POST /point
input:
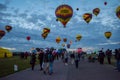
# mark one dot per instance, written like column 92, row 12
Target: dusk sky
column 29, row 17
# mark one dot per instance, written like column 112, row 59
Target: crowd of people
column 47, row 56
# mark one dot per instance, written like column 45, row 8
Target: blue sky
column 29, row 17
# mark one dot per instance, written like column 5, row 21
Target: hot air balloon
column 108, row 34
column 2, row 33
column 44, row 35
column 77, row 9
column 105, row 3
column 70, row 42
column 28, row 38
column 64, row 13
column 8, row 28
column 65, row 39
column 63, row 45
column 46, row 30
column 58, row 39
column 68, row 45
column 87, row 17
column 78, row 37
column 96, row 11
column 118, row 12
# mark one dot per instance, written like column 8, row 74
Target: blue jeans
column 50, row 67
column 118, row 65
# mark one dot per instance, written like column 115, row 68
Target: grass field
column 7, row 65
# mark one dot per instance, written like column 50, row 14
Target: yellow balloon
column 108, row 34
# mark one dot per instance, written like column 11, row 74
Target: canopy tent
column 5, row 53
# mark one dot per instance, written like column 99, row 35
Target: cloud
column 3, row 7
column 11, row 49
column 109, row 43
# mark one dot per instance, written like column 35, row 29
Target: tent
column 5, row 53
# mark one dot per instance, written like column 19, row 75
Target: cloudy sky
column 29, row 17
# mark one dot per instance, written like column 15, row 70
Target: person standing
column 109, row 55
column 46, row 62
column 117, row 57
column 76, row 60
column 32, row 61
column 66, row 57
column 50, row 59
column 101, row 57
column 40, row 58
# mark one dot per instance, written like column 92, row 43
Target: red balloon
column 28, row 38
column 2, row 33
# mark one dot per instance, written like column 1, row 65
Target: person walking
column 76, row 60
column 50, row 59
column 32, row 61
column 46, row 62
column 40, row 58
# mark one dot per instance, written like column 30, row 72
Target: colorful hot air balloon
column 58, row 39
column 105, row 3
column 65, row 39
column 108, row 34
column 2, row 33
column 87, row 17
column 46, row 30
column 96, row 11
column 64, row 13
column 8, row 28
column 44, row 35
column 78, row 37
column 28, row 38
column 118, row 12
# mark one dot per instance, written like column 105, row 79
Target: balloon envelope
column 44, row 35
column 65, row 39
column 8, row 28
column 28, row 38
column 58, row 39
column 118, row 12
column 87, row 17
column 78, row 37
column 46, row 30
column 108, row 34
column 96, row 11
column 105, row 3
column 64, row 13
column 2, row 33
column 68, row 45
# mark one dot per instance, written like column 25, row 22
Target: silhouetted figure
column 40, row 58
column 5, row 55
column 33, row 60
column 109, row 55
column 76, row 59
column 101, row 57
column 117, row 57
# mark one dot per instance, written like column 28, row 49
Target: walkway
column 86, row 71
